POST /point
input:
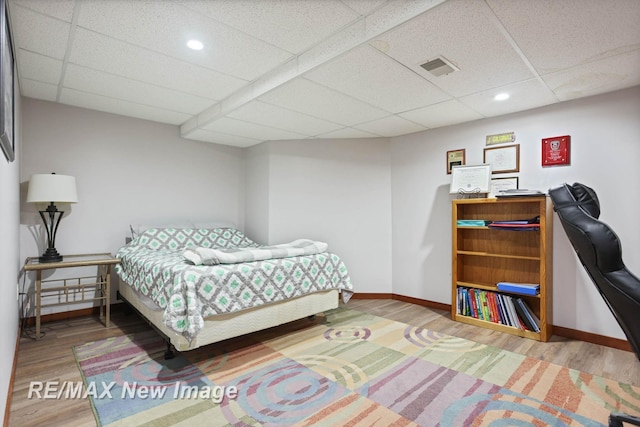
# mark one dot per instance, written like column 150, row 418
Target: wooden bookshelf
column 484, row 256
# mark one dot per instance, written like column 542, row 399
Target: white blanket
column 209, row 256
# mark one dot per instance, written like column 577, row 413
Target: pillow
column 173, row 239
column 138, row 229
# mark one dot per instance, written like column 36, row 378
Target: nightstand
column 75, row 289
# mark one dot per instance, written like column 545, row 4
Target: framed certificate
column 504, row 159
column 470, row 179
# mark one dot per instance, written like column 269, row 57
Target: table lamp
column 52, row 189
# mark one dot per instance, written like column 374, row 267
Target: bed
column 248, row 287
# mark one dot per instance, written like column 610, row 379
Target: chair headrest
column 578, row 195
column 586, row 198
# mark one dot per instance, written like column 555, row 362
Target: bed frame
column 223, row 326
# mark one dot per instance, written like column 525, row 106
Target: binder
column 522, row 313
column 519, row 288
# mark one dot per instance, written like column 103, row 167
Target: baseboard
column 412, row 300
column 589, row 337
column 560, row 331
column 422, row 302
column 365, row 295
column 7, row 408
column 72, row 314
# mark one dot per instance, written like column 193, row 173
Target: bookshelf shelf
column 484, row 256
column 532, row 258
column 495, row 326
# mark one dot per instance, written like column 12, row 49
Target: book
column 472, row 223
column 505, row 311
column 526, row 315
column 534, row 220
column 486, row 314
column 522, row 315
column 520, row 227
column 517, row 322
column 503, row 318
column 532, row 316
column 493, row 303
column 474, row 303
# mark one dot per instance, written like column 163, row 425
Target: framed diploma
column 455, row 158
column 556, row 151
column 501, row 184
column 503, row 159
column 470, row 179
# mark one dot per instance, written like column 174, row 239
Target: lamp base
column 50, row 255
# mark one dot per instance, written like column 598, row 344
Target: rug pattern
column 348, row 368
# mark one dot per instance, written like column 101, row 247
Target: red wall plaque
column 556, row 151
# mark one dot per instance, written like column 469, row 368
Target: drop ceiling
column 317, row 69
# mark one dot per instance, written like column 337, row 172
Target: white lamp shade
column 45, row 188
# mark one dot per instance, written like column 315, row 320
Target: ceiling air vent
column 439, row 66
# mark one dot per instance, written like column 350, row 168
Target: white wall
column 337, row 191
column 128, row 171
column 10, row 261
column 257, row 192
column 605, row 150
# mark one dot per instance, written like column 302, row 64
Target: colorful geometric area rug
column 346, row 368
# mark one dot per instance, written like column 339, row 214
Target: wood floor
column 51, row 358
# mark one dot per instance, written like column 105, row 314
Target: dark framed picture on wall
column 7, row 137
column 455, row 158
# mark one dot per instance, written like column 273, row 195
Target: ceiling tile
column 291, row 25
column 38, row 67
column 560, row 34
column 523, row 96
column 443, row 114
column 250, row 130
column 462, row 33
column 109, row 85
column 318, row 101
column 60, row 9
column 221, row 138
column 366, row 74
column 391, row 126
column 281, row 118
column 39, row 33
column 394, row 13
column 38, row 90
column 364, row 7
column 167, row 29
column 117, row 106
column 349, row 132
column 596, row 77
column 99, row 52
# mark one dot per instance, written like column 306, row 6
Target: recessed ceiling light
column 501, row 96
column 195, row 44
